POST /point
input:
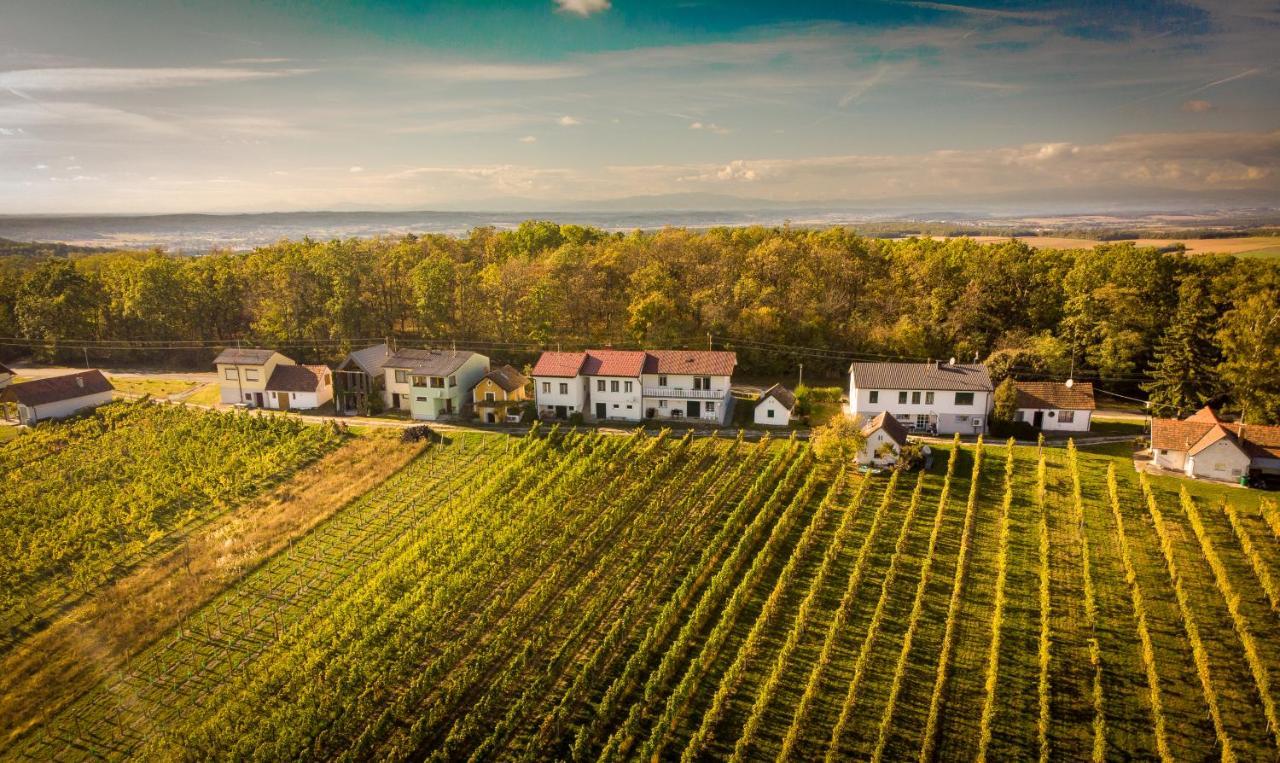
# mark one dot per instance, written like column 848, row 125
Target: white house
column 298, row 387
column 1205, row 446
column 688, row 384
column 629, row 385
column 885, row 438
column 431, row 383
column 243, row 374
column 775, row 406
column 1055, row 406
column 57, row 397
column 939, row 398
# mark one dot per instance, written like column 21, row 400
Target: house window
column 902, row 397
column 928, row 398
column 251, row 374
column 564, row 388
column 710, row 407
column 615, row 405
column 613, row 386
column 768, row 414
column 248, row 396
column 915, row 397
column 873, row 396
column 626, row 386
column 1066, row 417
column 490, row 397
column 599, row 385
column 1017, row 415
column 232, row 375
column 662, row 403
column 437, row 382
column 662, row 381
column 628, row 407
column 402, row 376
column 546, row 387
column 421, row 399
column 964, row 398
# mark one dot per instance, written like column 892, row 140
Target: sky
column 281, row 105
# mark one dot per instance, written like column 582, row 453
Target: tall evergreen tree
column 1183, row 368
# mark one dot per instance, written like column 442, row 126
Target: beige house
column 243, row 375
column 1203, row 445
column 885, row 438
column 499, row 395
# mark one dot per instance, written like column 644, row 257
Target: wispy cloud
column 582, row 8
column 993, row 13
column 1197, row 106
column 709, row 127
column 71, row 115
column 83, row 79
column 568, row 121
column 500, row 72
column 527, row 139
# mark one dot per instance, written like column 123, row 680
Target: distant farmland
column 603, row 597
column 1244, row 246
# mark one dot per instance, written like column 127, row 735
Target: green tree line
column 1186, row 330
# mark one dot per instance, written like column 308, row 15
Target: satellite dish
column 952, row 362
column 1071, row 383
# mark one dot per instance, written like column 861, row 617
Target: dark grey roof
column 962, row 377
column 249, row 356
column 781, row 394
column 429, row 362
column 58, row 388
column 370, row 359
column 889, row 424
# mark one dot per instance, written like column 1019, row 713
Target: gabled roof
column 613, row 363
column 6, row 370
column 506, row 377
column 1040, row 394
column 889, row 424
column 246, row 356
column 559, row 364
column 58, row 388
column 1199, row 431
column 296, row 378
column 940, row 376
column 369, row 359
column 429, row 362
column 697, row 362
column 781, row 394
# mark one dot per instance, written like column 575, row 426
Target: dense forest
column 1183, row 330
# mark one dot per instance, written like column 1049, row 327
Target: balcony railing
column 686, row 394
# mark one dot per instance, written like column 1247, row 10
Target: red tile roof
column 613, row 363
column 1193, row 435
column 55, row 389
column 296, row 378
column 1204, row 414
column 559, row 364
column 698, row 362
column 1077, row 397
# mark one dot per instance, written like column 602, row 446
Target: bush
column 576, row 419
column 1017, row 429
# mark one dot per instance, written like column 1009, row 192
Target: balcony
column 684, row 394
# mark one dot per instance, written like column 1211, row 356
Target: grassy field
column 1243, row 246
column 587, row 596
column 154, row 387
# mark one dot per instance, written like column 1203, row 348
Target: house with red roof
column 1055, row 406
column 632, row 385
column 1203, row 445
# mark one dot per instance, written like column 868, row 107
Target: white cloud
column 70, row 115
column 493, row 72
column 42, row 166
column 568, row 121
column 11, row 131
column 709, row 127
column 583, row 8
column 528, row 139
column 68, row 79
column 1197, row 106
column 356, row 169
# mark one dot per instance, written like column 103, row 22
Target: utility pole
column 86, row 356
column 801, row 382
column 708, row 341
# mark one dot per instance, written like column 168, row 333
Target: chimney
column 79, row 381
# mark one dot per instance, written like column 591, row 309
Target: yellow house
column 243, row 374
column 499, row 395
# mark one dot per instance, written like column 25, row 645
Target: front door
column 490, row 418
column 693, row 409
column 562, row 412
column 282, row 400
column 602, row 411
column 395, row 400
column 257, row 399
column 1038, row 419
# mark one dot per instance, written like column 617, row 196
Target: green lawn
column 154, row 387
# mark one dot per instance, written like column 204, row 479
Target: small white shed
column 885, row 438
column 58, row 397
column 775, row 407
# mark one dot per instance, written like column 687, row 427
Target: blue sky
column 143, row 107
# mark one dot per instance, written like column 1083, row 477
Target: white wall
column 1220, row 461
column 390, row 386
column 781, row 416
column 1175, row 460
column 1053, row 423
column 943, row 408
column 621, row 404
column 548, row 400
column 877, row 439
column 62, row 408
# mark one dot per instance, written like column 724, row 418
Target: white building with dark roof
column 775, row 407
column 935, row 398
column 243, row 374
column 57, row 397
column 1055, row 406
column 298, row 387
column 432, row 384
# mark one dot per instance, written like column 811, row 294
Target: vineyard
column 86, row 499
column 584, row 596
